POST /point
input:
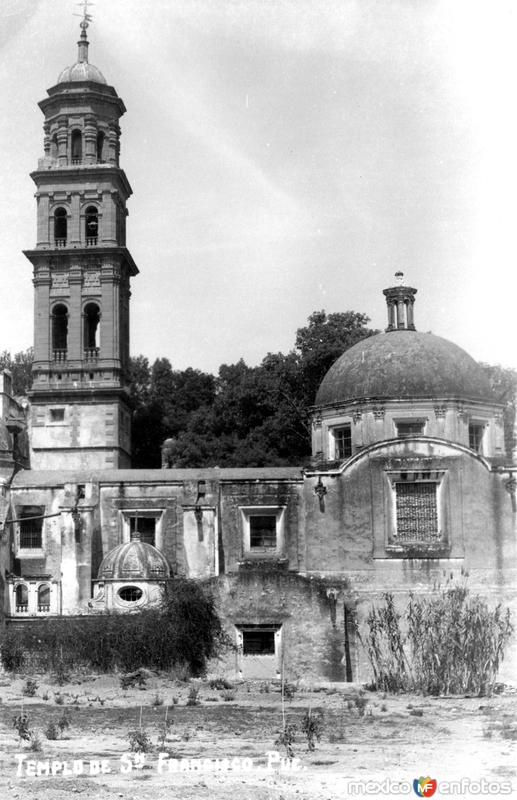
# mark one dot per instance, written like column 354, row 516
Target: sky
column 285, row 156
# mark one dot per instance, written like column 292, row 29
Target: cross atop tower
column 86, row 17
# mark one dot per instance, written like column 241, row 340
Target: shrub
column 30, row 687
column 59, row 699
column 60, row 675
column 360, row 703
column 228, row 695
column 192, row 699
column 312, row 727
column 220, row 683
column 289, row 690
column 185, row 633
column 35, row 743
column 63, row 722
column 286, row 738
column 157, row 700
column 453, row 644
column 21, row 723
column 52, row 731
column 139, row 741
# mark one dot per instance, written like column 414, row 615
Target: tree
column 323, row 340
column 503, row 381
column 20, row 366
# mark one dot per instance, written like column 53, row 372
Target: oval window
column 130, row 594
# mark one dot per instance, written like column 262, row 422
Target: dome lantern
column 400, row 300
column 82, row 70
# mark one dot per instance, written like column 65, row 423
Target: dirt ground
column 224, row 747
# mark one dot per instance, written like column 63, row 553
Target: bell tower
column 80, row 418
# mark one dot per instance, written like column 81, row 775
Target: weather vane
column 86, row 17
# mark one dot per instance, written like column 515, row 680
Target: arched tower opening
column 59, row 332
column 91, row 223
column 92, row 317
column 60, row 227
column 77, row 147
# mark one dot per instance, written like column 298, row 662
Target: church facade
column 409, row 480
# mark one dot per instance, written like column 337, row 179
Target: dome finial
column 82, row 44
column 400, row 300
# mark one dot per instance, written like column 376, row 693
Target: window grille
column 31, row 528
column 417, row 512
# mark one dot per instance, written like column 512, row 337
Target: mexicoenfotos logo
column 424, row 787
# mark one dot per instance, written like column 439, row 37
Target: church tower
column 80, row 417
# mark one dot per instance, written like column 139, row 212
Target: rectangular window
column 406, row 428
column 476, row 431
column 258, row 642
column 262, row 531
column 343, row 442
column 146, row 527
column 31, row 527
column 416, row 512
column 57, row 414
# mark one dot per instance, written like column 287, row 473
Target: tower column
column 41, row 283
column 90, row 140
column 75, row 221
column 43, row 221
column 62, row 141
column 75, row 316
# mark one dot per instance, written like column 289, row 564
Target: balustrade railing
column 91, row 353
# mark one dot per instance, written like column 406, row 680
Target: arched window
column 44, row 597
column 92, row 316
column 59, row 332
column 22, row 598
column 91, row 222
column 77, row 147
column 60, row 225
column 100, row 147
column 53, row 147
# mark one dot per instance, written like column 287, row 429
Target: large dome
column 404, row 364
column 134, row 560
column 81, row 71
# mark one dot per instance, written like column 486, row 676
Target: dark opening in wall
column 91, row 222
column 59, row 331
column 92, row 316
column 77, row 147
column 145, row 526
column 258, row 642
column 60, row 227
column 100, row 147
column 263, row 531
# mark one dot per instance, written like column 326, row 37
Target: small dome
column 134, row 560
column 404, row 364
column 81, row 71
